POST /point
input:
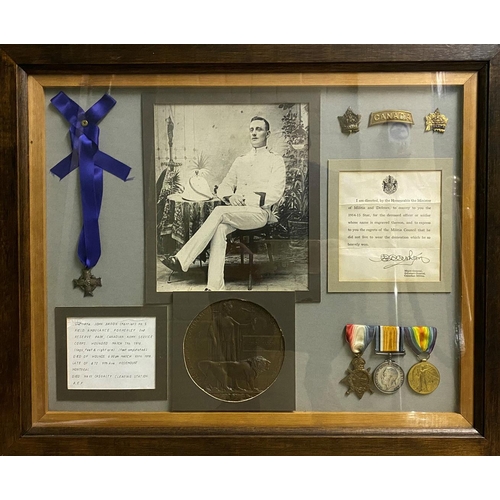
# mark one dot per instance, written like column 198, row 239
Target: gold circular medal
column 423, row 377
column 234, row 350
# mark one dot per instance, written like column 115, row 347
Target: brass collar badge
column 349, row 122
column 436, row 122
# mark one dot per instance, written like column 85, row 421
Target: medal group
column 388, row 377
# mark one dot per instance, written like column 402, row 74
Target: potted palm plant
column 293, row 210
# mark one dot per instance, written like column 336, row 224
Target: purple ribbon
column 85, row 154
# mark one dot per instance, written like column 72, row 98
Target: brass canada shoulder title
column 390, row 115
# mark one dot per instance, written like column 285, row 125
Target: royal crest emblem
column 436, row 122
column 358, row 379
column 390, row 185
column 349, row 122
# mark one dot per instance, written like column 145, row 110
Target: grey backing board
column 322, row 355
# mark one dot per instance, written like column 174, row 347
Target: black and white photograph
column 232, row 196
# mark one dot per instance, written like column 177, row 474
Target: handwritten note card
column 111, row 353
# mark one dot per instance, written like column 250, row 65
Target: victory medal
column 423, row 377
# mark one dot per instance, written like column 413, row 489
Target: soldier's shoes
column 172, row 262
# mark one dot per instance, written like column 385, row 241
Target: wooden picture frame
column 30, row 429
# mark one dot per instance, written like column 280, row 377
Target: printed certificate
column 388, row 224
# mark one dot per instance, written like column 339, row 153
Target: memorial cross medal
column 85, row 154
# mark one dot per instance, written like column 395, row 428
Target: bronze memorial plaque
column 234, row 350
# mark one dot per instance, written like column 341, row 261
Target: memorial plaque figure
column 234, row 350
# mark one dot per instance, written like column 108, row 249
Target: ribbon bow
column 85, row 154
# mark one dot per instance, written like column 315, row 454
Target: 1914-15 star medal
column 87, row 282
column 358, row 379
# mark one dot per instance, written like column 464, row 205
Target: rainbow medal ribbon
column 423, row 377
column 358, row 378
column 388, row 377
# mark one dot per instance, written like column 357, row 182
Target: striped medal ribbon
column 423, row 377
column 359, row 337
column 358, row 377
column 388, row 377
column 389, row 340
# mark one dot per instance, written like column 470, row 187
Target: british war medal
column 358, row 377
column 85, row 154
column 423, row 377
column 388, row 377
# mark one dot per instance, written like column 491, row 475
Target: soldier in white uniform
column 254, row 183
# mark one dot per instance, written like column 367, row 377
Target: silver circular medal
column 388, row 377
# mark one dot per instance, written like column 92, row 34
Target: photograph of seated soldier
column 194, row 219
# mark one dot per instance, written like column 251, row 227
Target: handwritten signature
column 401, row 260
